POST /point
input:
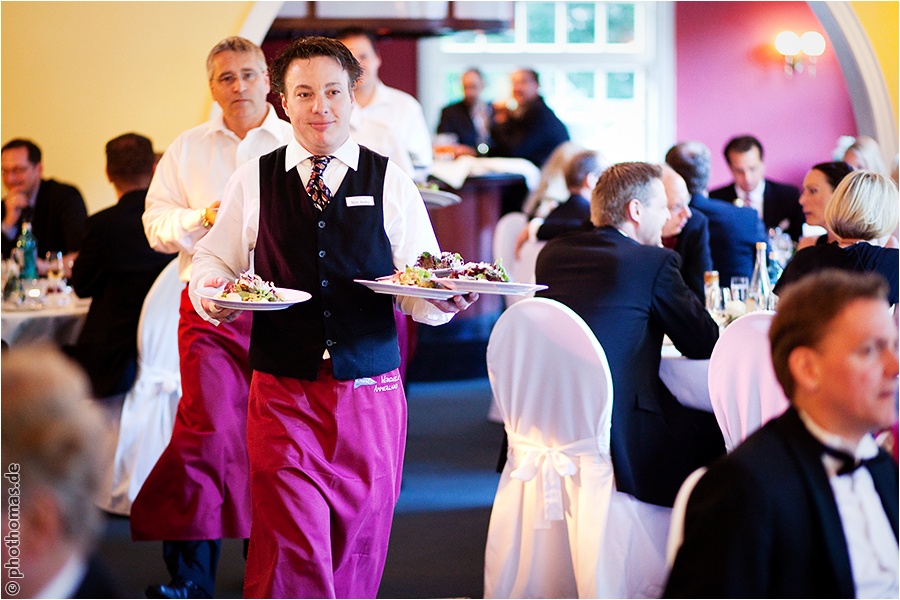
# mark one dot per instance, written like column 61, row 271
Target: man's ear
column 634, row 210
column 806, row 368
column 284, row 106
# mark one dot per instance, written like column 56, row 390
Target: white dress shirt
column 873, row 549
column 753, row 198
column 192, row 174
column 227, row 250
column 67, row 580
column 393, row 124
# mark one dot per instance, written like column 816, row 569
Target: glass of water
column 739, row 287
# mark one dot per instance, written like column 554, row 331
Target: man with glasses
column 198, row 492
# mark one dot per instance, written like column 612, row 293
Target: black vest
column 322, row 253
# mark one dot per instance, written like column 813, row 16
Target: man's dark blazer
column 572, row 215
column 533, row 135
column 455, row 118
column 780, row 201
column 763, row 522
column 733, row 233
column 692, row 245
column 630, row 295
column 58, row 221
column 116, row 267
column 98, row 582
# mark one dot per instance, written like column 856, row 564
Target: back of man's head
column 130, row 160
column 54, row 439
column 691, row 160
column 806, row 308
column 34, row 152
column 579, row 167
column 741, row 144
column 617, row 186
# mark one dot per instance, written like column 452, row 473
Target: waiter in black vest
column 326, row 425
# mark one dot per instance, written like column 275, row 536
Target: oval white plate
column 289, row 298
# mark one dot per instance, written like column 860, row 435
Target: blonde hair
column 552, row 185
column 863, row 206
column 869, row 154
column 55, row 436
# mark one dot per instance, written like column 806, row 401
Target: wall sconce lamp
column 800, row 51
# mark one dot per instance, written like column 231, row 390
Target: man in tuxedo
column 54, row 459
column 531, row 130
column 116, row 267
column 733, row 230
column 806, row 507
column 777, row 204
column 56, row 210
column 469, row 119
column 687, row 233
column 630, row 292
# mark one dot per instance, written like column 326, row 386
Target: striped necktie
column 315, row 187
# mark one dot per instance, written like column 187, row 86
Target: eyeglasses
column 228, row 79
column 18, row 170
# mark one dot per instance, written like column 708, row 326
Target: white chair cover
column 506, row 231
column 559, row 528
column 148, row 414
column 742, row 386
column 523, row 269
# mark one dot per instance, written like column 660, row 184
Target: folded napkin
column 455, row 172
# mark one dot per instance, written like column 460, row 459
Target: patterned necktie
column 315, row 187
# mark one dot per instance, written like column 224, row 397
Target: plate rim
column 396, row 288
column 233, row 304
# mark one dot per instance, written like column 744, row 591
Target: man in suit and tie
column 630, row 292
column 733, row 230
column 469, row 119
column 116, row 267
column 806, row 507
column 777, row 204
column 56, row 210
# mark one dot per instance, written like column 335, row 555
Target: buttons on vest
column 326, row 313
column 329, row 343
column 324, row 283
column 321, row 224
column 321, row 254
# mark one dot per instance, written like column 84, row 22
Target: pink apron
column 199, row 488
column 326, row 459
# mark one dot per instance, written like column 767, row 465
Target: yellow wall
column 76, row 74
column 879, row 20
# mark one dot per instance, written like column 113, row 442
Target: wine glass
column 56, row 273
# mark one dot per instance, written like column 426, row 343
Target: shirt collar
column 865, row 448
column 347, row 153
column 270, row 124
column 66, row 581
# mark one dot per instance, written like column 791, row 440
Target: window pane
column 620, row 23
column 620, row 86
column 541, row 22
column 580, row 84
column 580, row 25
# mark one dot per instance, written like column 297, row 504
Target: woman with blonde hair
column 862, row 208
column 864, row 154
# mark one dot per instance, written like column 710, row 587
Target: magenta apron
column 199, row 488
column 326, row 459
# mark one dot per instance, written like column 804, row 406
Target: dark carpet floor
column 440, row 523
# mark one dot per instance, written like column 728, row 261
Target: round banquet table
column 59, row 325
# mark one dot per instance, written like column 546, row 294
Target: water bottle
column 759, row 294
column 28, row 245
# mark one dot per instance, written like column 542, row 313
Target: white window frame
column 653, row 64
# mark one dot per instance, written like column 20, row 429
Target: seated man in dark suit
column 788, row 514
column 116, row 267
column 470, row 119
column 733, row 230
column 778, row 204
column 531, row 130
column 687, row 233
column 630, row 293
column 56, row 210
column 54, row 452
column 581, row 173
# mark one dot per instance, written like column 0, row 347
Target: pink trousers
column 325, row 466
column 199, row 488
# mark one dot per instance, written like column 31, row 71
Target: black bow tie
column 849, row 463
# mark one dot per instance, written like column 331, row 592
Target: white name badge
column 360, row 201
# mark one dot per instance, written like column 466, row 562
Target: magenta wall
column 730, row 81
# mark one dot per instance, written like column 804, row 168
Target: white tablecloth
column 455, row 172
column 685, row 378
column 55, row 324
